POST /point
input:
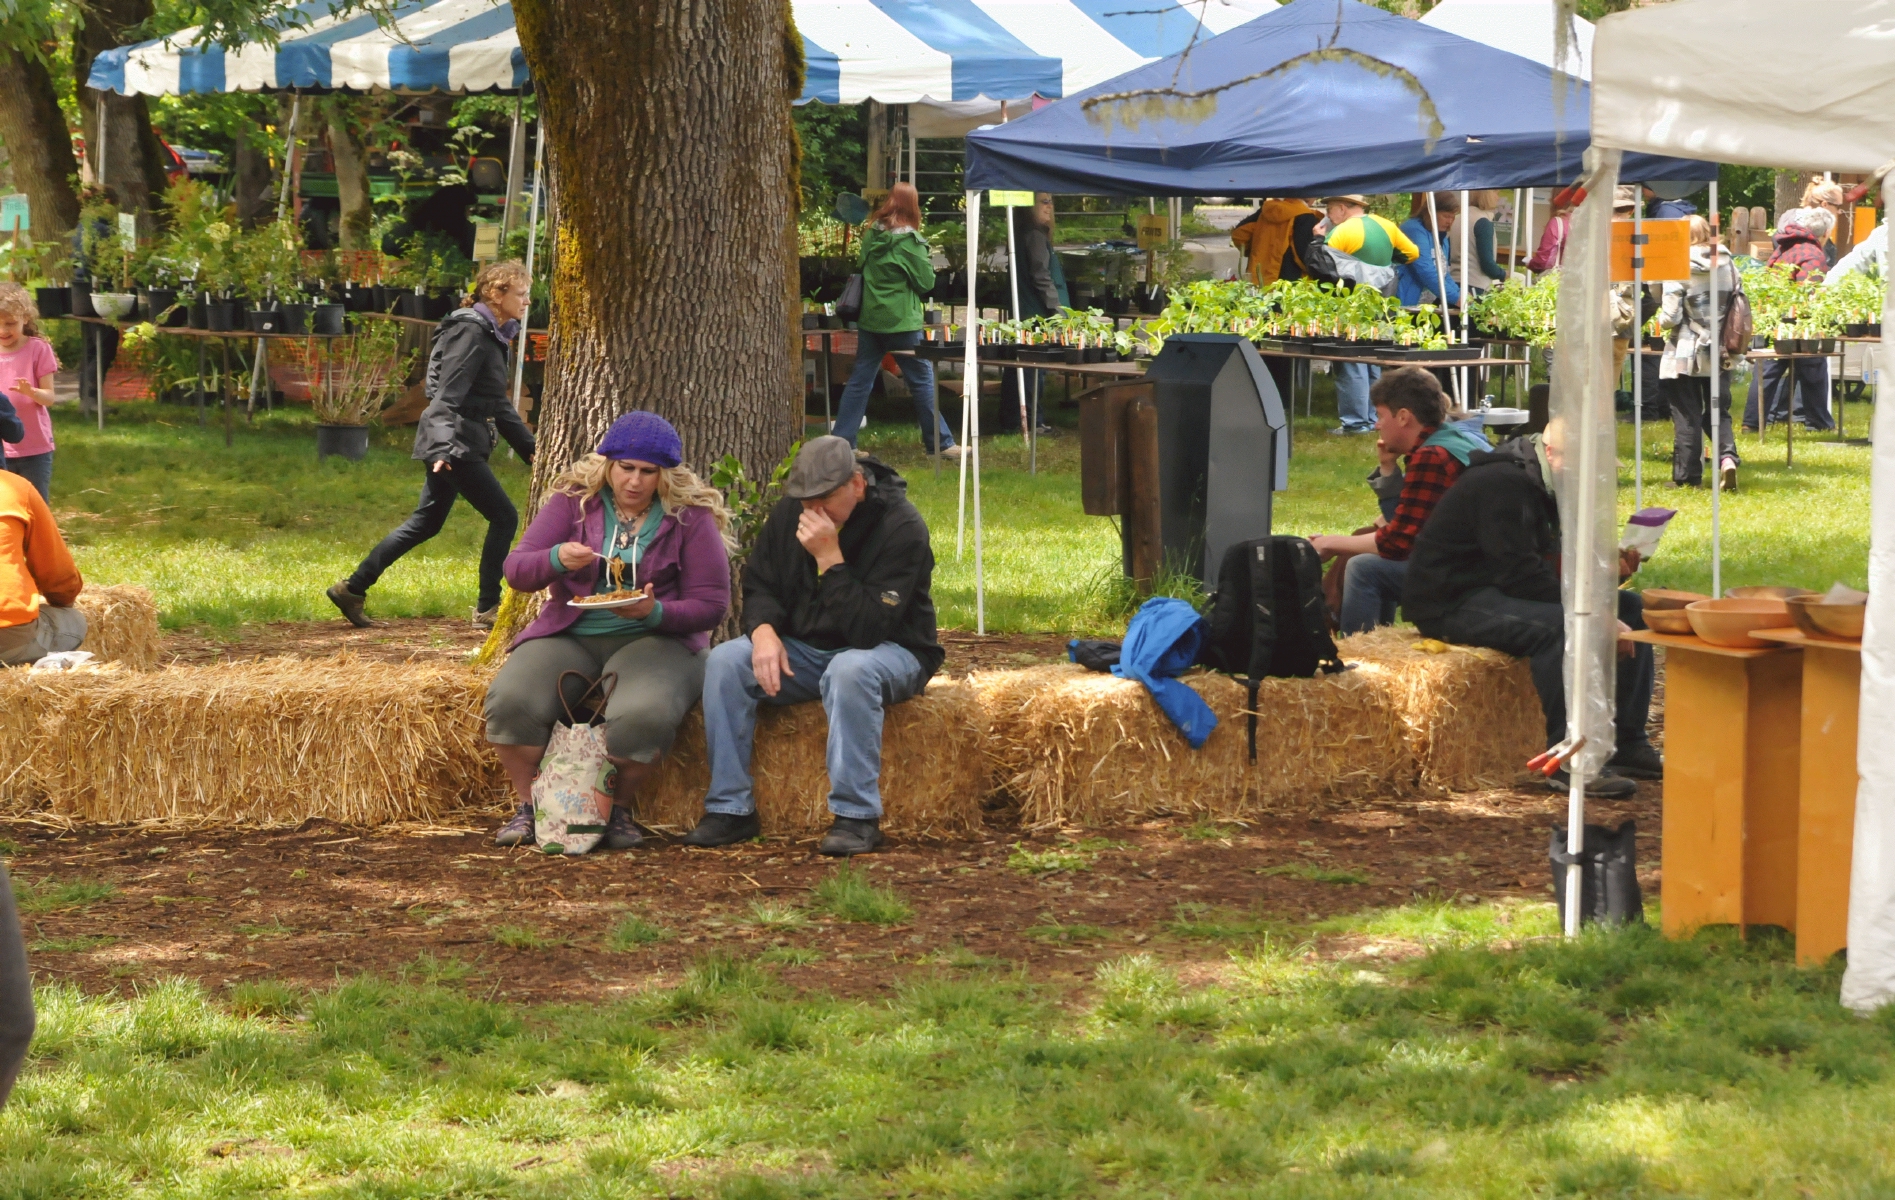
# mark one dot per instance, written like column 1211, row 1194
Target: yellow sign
column 1000, row 199
column 1865, row 222
column 1666, row 252
column 487, row 241
column 1152, row 228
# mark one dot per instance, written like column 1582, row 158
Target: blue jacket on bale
column 1163, row 641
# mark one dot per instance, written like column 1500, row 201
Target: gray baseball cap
column 822, row 465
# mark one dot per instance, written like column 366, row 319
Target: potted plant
column 361, row 374
column 52, row 261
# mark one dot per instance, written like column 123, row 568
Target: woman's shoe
column 621, row 832
column 485, row 617
column 1727, row 472
column 518, row 831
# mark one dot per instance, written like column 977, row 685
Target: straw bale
column 32, row 706
column 121, row 625
column 934, row 768
column 1471, row 716
column 271, row 742
column 1076, row 747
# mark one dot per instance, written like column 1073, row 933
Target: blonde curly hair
column 679, row 488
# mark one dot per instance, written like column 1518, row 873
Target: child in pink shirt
column 27, row 364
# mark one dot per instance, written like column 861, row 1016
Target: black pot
column 221, row 316
column 1652, row 343
column 1759, row 343
column 1787, row 346
column 1857, row 329
column 1825, row 345
column 295, row 318
column 198, row 311
column 355, row 299
column 1073, row 354
column 1109, row 354
column 263, row 320
column 1152, row 303
column 345, row 441
column 1875, row 330
column 53, row 301
column 80, row 299
column 161, row 307
column 382, row 299
column 812, row 320
column 1095, row 354
column 327, row 320
column 930, row 316
column 829, row 322
column 441, row 302
column 411, row 304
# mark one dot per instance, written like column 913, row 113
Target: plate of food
column 608, row 599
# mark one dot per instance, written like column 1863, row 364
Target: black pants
column 474, row 480
column 16, row 992
column 1797, row 387
column 1690, row 397
column 1536, row 630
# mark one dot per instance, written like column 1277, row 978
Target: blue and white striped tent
column 894, row 51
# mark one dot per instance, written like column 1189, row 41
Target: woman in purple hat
column 634, row 501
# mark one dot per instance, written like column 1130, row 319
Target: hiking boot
column 1603, row 786
column 350, row 604
column 850, row 836
column 621, row 832
column 953, row 453
column 1727, row 474
column 1639, row 760
column 723, row 829
column 518, row 831
column 485, row 617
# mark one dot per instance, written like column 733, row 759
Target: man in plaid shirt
column 1409, row 410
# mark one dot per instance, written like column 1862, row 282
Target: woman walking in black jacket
column 467, row 402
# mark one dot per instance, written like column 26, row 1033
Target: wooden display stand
column 1826, row 810
column 1731, row 778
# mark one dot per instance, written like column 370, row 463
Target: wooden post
column 1142, row 522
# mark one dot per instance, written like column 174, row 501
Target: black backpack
column 1268, row 617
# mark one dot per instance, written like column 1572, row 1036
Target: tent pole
column 1638, row 354
column 98, row 160
column 516, row 153
column 973, row 437
column 532, row 243
column 1013, row 282
column 970, row 363
column 1717, row 367
column 1433, row 238
column 1467, row 273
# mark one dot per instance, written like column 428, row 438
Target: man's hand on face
column 769, row 660
column 817, row 533
column 1629, row 563
column 1388, row 458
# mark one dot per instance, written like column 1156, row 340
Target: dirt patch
column 440, row 639
column 322, row 901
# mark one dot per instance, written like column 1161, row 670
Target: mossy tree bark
column 134, row 160
column 344, row 116
column 673, row 163
column 38, row 144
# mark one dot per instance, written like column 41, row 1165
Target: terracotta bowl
column 1767, row 593
column 1668, row 620
column 1730, row 622
column 1837, row 622
column 1663, row 598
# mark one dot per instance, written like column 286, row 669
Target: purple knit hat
column 644, row 436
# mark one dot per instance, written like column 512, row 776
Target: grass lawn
column 255, row 532
column 1225, row 1059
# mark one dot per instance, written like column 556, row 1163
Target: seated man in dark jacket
column 1485, row 572
column 836, row 607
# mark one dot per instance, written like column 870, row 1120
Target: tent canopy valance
column 894, row 51
column 1321, row 127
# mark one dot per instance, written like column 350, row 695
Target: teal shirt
column 628, row 546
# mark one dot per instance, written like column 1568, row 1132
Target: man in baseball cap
column 836, row 608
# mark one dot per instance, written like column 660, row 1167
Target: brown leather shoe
column 350, row 604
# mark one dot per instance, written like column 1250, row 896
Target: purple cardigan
column 686, row 565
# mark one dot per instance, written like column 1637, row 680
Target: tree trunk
column 39, row 144
column 674, row 161
column 250, row 182
column 1790, row 185
column 350, row 159
column 134, row 161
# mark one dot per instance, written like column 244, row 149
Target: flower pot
column 326, row 320
column 1073, row 354
column 1856, row 329
column 1109, row 354
column 263, row 320
column 295, row 318
column 198, row 311
column 412, row 304
column 53, row 301
column 441, row 302
column 1759, row 342
column 382, row 299
column 114, row 306
column 1875, row 329
column 161, row 307
column 1153, row 302
column 1093, row 354
column 930, row 316
column 1826, row 345
column 1787, row 346
column 345, row 441
column 1652, row 343
column 80, row 299
column 355, row 299
column 829, row 322
column 221, row 316
column 812, row 320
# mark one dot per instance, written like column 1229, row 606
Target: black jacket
column 878, row 594
column 1498, row 527
column 467, row 394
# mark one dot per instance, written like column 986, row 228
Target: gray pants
column 54, row 631
column 16, row 992
column 659, row 679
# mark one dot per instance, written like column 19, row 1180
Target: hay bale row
column 934, row 775
column 274, row 742
column 121, row 625
column 1470, row 716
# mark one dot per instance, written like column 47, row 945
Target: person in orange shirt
column 38, row 581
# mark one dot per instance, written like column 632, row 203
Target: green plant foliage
column 1519, row 310
column 848, row 894
column 53, row 895
column 633, row 932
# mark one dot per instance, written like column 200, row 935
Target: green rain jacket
column 895, row 274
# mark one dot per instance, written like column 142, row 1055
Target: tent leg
column 516, row 154
column 1013, row 282
column 532, row 243
column 970, row 371
column 1467, row 273
column 1638, row 357
column 1717, row 367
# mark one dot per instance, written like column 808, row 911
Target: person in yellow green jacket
column 896, row 273
column 1378, row 241
column 1272, row 239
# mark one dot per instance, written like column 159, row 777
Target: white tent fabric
column 1523, row 27
column 1683, row 78
column 1694, row 78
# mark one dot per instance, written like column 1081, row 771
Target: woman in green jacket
column 896, row 273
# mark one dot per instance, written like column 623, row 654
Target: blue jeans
column 1371, row 588
column 38, row 470
column 1353, row 381
column 855, row 686
column 918, row 371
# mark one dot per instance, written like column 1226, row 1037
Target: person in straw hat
column 633, row 501
column 836, row 607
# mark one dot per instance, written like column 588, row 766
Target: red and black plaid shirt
column 1427, row 477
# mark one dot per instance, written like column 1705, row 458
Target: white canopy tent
column 1523, row 27
column 1683, row 78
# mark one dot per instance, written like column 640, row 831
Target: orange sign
column 1666, row 252
column 1865, row 222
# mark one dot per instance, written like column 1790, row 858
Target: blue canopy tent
column 1319, row 127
